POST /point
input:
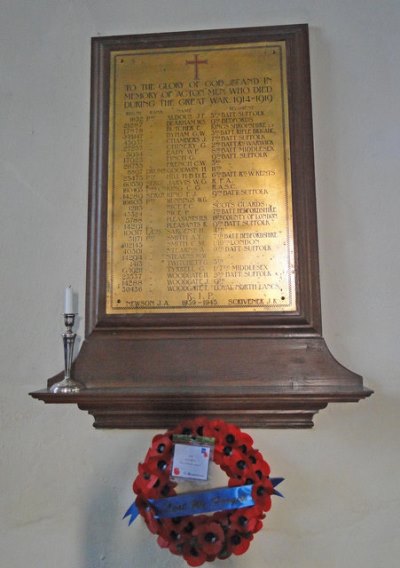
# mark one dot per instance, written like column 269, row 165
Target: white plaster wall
column 64, row 486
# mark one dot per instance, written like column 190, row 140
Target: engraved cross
column 196, row 64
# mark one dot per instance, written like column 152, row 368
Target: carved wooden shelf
column 274, row 408
column 212, row 380
column 257, row 367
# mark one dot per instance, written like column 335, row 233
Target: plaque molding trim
column 256, row 369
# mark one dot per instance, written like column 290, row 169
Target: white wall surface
column 64, row 486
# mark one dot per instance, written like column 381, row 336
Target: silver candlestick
column 68, row 385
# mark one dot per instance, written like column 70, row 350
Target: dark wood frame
column 256, row 369
column 308, row 317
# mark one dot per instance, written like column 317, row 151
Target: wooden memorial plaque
column 202, row 280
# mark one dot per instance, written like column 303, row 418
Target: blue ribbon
column 221, row 499
column 276, row 481
column 132, row 512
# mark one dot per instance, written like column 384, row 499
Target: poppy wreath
column 200, row 538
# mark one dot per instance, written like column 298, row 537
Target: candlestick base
column 67, row 386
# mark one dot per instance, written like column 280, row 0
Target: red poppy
column 222, row 518
column 161, row 446
column 229, row 458
column 190, row 427
column 145, row 481
column 158, row 465
column 151, row 485
column 173, row 539
column 237, row 543
column 239, row 468
column 261, row 493
column 174, row 524
column 193, row 554
column 210, row 537
column 212, row 428
column 172, row 534
column 246, row 520
column 260, row 466
column 228, row 434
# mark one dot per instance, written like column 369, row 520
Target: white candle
column 68, row 301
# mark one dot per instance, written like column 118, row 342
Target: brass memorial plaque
column 199, row 184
